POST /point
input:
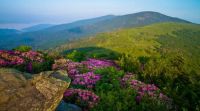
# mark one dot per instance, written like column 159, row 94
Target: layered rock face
column 43, row 92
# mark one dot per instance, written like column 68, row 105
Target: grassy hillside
column 159, row 61
column 153, row 40
column 165, row 54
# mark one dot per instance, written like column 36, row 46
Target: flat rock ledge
column 43, row 92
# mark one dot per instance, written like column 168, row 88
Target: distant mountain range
column 8, row 32
column 47, row 36
column 37, row 27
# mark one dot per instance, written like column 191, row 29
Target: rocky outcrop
column 43, row 92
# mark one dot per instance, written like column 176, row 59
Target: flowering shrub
column 115, row 90
column 75, row 68
column 18, row 58
column 84, row 98
column 82, row 75
column 88, row 79
column 93, row 64
column 143, row 89
column 8, row 58
column 30, row 61
column 71, row 67
column 104, row 78
column 32, row 56
column 3, row 62
column 126, row 79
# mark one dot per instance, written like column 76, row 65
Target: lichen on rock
column 43, row 92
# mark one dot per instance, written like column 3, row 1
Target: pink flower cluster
column 10, row 58
column 81, row 97
column 3, row 62
column 143, row 89
column 70, row 66
column 32, row 55
column 75, row 68
column 126, row 79
column 88, row 79
column 82, row 74
column 93, row 64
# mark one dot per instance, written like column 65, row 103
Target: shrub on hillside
column 23, row 48
column 30, row 61
column 129, row 63
column 76, row 56
column 177, row 82
column 83, row 98
column 115, row 96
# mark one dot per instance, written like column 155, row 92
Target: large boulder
column 43, row 92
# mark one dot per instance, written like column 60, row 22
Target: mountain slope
column 7, row 32
column 60, row 34
column 157, row 40
column 8, row 38
column 135, row 20
column 111, row 22
column 37, row 27
column 65, row 27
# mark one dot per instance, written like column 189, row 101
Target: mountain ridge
column 37, row 27
column 60, row 34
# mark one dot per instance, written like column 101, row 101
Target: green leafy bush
column 114, row 97
column 44, row 66
column 23, row 48
column 110, row 79
column 35, row 67
column 76, row 56
column 129, row 63
column 171, row 76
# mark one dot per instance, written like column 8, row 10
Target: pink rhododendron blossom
column 88, row 79
column 87, row 97
column 142, row 89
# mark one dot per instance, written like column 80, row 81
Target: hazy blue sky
column 16, row 13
